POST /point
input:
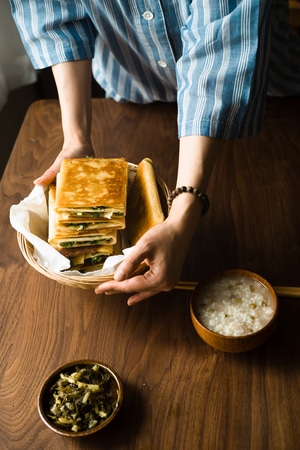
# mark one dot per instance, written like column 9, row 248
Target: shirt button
column 162, row 63
column 148, row 15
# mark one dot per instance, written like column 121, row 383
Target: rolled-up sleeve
column 222, row 74
column 54, row 31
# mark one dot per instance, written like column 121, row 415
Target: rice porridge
column 235, row 306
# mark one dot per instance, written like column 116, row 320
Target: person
column 217, row 59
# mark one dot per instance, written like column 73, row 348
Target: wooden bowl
column 113, row 394
column 234, row 322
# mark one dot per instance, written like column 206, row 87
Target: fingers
column 128, row 266
column 153, row 249
column 141, row 286
column 48, row 176
column 50, row 173
column 139, row 256
column 77, row 152
column 128, row 286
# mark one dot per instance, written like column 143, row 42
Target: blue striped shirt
column 217, row 58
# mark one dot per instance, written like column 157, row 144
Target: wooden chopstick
column 282, row 291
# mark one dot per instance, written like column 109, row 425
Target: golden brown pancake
column 92, row 187
column 143, row 208
column 59, row 240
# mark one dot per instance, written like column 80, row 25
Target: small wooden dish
column 115, row 390
column 228, row 343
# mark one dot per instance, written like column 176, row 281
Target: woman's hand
column 163, row 250
column 164, row 247
column 76, row 151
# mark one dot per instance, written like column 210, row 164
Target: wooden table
column 179, row 394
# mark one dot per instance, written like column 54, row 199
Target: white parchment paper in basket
column 30, row 218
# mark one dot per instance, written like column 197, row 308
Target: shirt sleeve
column 54, row 31
column 222, row 74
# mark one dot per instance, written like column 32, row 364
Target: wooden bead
column 190, row 190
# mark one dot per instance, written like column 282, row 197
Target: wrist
column 76, row 123
column 77, row 139
column 203, row 198
column 185, row 212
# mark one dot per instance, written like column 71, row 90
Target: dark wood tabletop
column 179, row 393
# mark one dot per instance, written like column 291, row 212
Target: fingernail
column 119, row 275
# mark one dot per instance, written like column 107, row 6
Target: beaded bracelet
column 190, row 190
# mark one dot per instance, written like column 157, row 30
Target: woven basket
column 89, row 281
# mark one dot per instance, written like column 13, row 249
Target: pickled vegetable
column 83, row 399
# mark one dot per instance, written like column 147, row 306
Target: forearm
column 73, row 82
column 197, row 156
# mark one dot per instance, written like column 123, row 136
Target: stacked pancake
column 144, row 208
column 87, row 207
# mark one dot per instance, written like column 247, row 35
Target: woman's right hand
column 79, row 151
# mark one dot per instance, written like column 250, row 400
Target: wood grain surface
column 179, row 393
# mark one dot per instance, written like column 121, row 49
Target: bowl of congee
column 234, row 310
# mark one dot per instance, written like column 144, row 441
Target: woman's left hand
column 163, row 251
